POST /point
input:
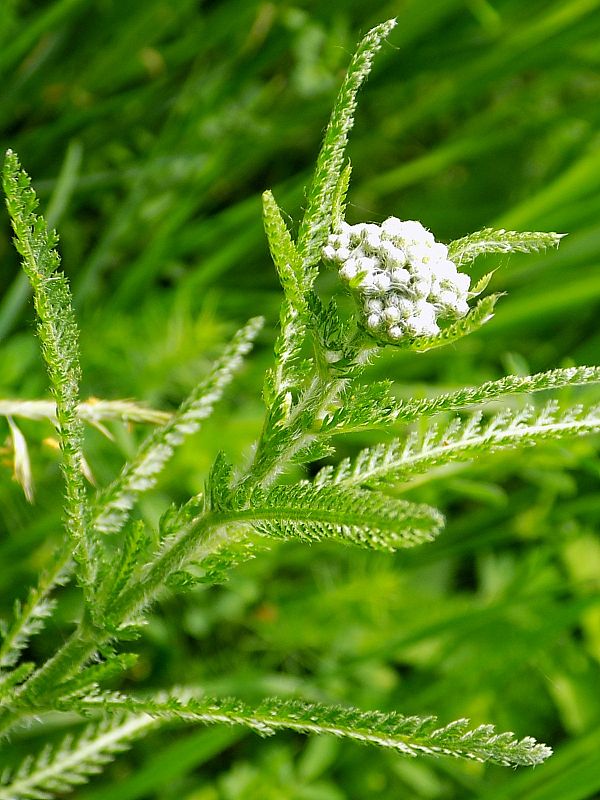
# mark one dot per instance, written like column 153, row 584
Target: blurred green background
column 150, row 128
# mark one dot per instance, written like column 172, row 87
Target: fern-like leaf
column 133, row 549
column 57, row 771
column 411, row 736
column 460, row 441
column 10, row 680
column 338, row 206
column 362, row 518
column 489, row 240
column 88, row 680
column 293, row 313
column 372, row 406
column 477, row 316
column 362, row 406
column 317, row 219
column 494, row 390
column 112, row 507
column 30, row 616
column 60, row 347
column 283, row 252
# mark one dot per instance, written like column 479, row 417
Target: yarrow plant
column 410, row 292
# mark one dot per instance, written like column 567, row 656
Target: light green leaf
column 317, row 220
column 493, row 390
column 489, row 240
column 410, row 736
column 114, row 503
column 60, row 347
column 362, row 518
column 461, row 441
column 58, row 770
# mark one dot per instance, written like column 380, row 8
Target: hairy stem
column 274, row 454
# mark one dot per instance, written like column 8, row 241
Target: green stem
column 275, row 449
column 169, row 561
column 87, row 638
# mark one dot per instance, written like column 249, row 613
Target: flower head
column 400, row 277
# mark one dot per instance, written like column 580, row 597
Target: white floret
column 383, row 281
column 329, row 253
column 461, row 307
column 421, row 281
column 368, row 264
column 446, row 297
column 405, row 307
column 391, row 314
column 369, row 286
column 391, row 253
column 414, row 232
column 373, row 321
column 403, row 304
column 423, row 322
column 439, row 251
column 419, row 253
column 462, row 282
column 373, row 240
column 392, row 227
column 419, row 327
column 374, row 306
column 396, row 332
column 356, row 232
column 400, row 277
column 349, row 270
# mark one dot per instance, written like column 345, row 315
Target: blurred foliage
column 150, row 129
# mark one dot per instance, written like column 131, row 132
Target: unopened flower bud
column 350, row 269
column 400, row 276
column 373, row 321
column 391, row 314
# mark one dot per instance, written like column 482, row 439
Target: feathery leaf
column 30, row 616
column 338, row 205
column 492, row 390
column 113, row 504
column 10, row 680
column 293, row 313
column 318, row 217
column 60, row 347
column 362, row 406
column 410, row 736
column 89, row 678
column 488, row 240
column 131, row 557
column 461, row 440
column 363, row 518
column 75, row 760
column 369, row 406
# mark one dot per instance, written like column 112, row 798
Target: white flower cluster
column 401, row 277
